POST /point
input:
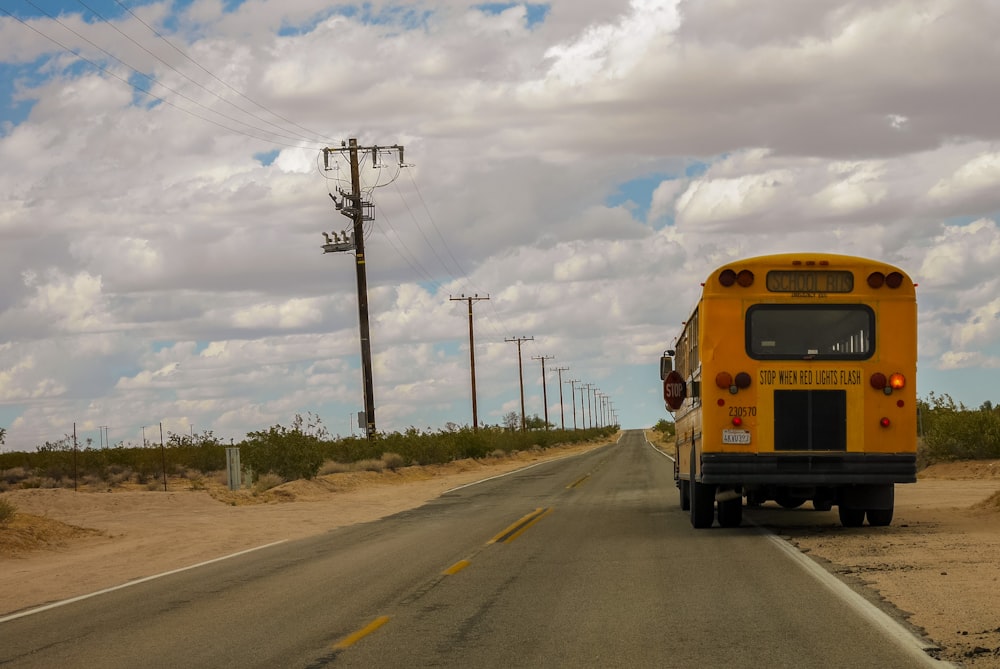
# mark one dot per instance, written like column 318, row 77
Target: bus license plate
column 735, row 436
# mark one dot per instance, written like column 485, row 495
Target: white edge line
column 658, row 450
column 904, row 638
column 46, row 607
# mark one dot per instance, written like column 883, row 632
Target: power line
column 148, row 92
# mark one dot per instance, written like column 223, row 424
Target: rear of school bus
column 803, row 388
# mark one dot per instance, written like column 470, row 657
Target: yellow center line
column 578, row 481
column 352, row 639
column 514, row 526
column 457, row 567
column 531, row 522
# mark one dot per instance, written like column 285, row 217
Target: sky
column 583, row 164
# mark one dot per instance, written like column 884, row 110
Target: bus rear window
column 809, row 331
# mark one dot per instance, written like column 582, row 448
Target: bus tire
column 685, row 488
column 879, row 517
column 851, row 517
column 702, row 505
column 731, row 512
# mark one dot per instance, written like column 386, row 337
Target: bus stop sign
column 674, row 390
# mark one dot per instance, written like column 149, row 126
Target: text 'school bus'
column 794, row 380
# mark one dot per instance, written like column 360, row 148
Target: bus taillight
column 742, row 380
column 884, row 422
column 737, row 421
column 724, row 380
column 897, row 381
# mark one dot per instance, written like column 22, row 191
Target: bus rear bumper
column 828, row 469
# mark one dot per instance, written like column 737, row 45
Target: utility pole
column 358, row 210
column 520, row 371
column 472, row 355
column 545, row 394
column 592, row 399
column 587, row 386
column 562, row 413
column 572, row 387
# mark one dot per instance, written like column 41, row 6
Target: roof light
column 745, row 278
column 876, row 279
column 894, row 280
column 727, row 277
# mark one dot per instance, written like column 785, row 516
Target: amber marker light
column 897, row 381
column 724, row 380
column 745, row 278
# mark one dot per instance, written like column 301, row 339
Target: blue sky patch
column 536, row 13
column 265, row 158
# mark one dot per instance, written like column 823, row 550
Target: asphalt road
column 586, row 561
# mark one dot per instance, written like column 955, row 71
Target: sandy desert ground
column 937, row 567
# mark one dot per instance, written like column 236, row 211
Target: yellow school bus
column 794, row 380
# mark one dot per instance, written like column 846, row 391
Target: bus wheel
column 879, row 517
column 702, row 505
column 851, row 517
column 685, row 487
column 731, row 512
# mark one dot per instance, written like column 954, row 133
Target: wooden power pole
column 545, row 394
column 520, row 371
column 472, row 355
column 359, row 211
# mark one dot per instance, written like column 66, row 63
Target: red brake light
column 727, row 277
column 884, row 422
column 878, row 381
column 737, row 421
column 742, row 380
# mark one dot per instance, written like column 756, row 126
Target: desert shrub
column 153, row 484
column 393, row 461
column 7, row 511
column 498, row 453
column 333, row 467
column 291, row 454
column 14, row 475
column 266, row 482
column 370, row 465
column 953, row 432
column 665, row 427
